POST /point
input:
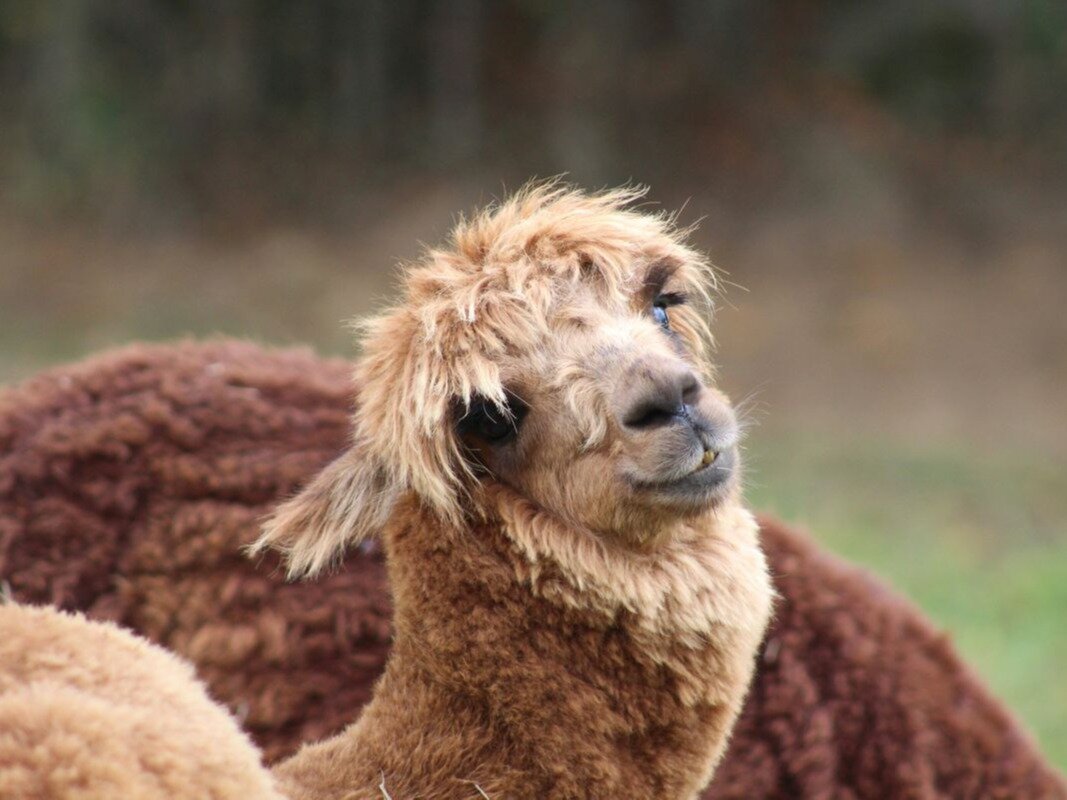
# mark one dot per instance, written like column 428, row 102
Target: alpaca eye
column 659, row 313
column 484, row 420
column 494, row 428
column 660, row 305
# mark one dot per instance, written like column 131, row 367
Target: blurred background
column 883, row 180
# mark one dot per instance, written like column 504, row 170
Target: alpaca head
column 555, row 350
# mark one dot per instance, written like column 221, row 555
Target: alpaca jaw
column 702, row 486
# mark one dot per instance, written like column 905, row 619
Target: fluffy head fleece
column 90, row 711
column 578, row 591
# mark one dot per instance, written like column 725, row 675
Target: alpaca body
column 502, row 678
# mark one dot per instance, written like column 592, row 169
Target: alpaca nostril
column 662, row 402
column 651, row 416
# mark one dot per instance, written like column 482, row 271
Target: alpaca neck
column 530, row 679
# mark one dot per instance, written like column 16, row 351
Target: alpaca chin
column 704, row 574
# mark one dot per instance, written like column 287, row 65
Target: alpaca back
column 128, row 485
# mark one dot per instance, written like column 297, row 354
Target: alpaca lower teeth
column 709, row 457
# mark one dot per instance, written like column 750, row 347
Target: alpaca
column 89, row 711
column 579, row 592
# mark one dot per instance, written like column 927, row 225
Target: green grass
column 978, row 541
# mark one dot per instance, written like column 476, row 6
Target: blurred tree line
column 197, row 102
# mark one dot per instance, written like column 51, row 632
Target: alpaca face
column 609, row 422
column 557, row 345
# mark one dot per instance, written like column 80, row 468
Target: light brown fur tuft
column 349, row 501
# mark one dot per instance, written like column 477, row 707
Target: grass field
column 978, row 543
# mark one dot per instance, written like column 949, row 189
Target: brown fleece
column 127, row 484
column 90, row 712
column 490, row 687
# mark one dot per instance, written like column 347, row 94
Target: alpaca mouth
column 704, row 482
column 709, row 458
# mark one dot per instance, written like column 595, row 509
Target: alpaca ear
column 350, row 500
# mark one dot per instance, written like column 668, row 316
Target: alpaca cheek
column 590, row 493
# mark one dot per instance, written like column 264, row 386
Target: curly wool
column 91, row 712
column 128, row 485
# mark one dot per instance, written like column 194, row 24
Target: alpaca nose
column 659, row 397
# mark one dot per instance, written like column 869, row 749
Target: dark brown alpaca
column 129, row 483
